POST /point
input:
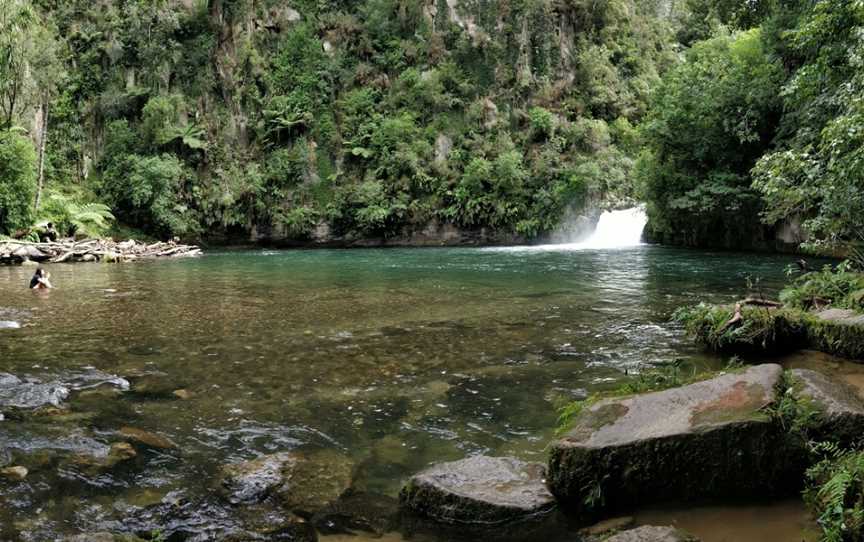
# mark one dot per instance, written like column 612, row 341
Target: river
column 397, row 358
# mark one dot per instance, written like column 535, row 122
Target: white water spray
column 615, row 229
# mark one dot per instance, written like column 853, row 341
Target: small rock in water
column 253, row 481
column 16, row 473
column 479, row 491
column 653, row 534
column 304, row 482
column 29, row 394
column 154, row 386
column 146, row 438
column 183, row 394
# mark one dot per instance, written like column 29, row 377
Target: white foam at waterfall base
column 615, row 229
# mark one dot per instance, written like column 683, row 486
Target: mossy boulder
column 837, row 331
column 706, row 440
column 479, row 491
column 838, row 409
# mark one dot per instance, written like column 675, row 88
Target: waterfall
column 617, row 229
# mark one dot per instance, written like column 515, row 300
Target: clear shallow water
column 396, row 357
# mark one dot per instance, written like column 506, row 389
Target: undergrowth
column 841, row 287
column 762, row 329
column 835, row 491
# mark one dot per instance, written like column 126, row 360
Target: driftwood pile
column 90, row 250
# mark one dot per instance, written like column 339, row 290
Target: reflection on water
column 396, row 357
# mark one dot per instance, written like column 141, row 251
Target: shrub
column 542, row 123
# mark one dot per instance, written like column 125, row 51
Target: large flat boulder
column 705, row 440
column 839, row 332
column 842, row 316
column 479, row 490
column 839, row 408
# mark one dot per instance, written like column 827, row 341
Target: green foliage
column 145, row 189
column 816, row 173
column 795, row 413
column 571, row 411
column 835, row 491
column 838, row 287
column 17, row 181
column 542, row 123
column 72, row 216
column 712, row 118
column 299, row 222
column 372, row 117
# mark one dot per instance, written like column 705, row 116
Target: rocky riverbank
column 90, row 250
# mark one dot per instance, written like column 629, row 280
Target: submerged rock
column 480, row 491
column 103, row 537
column 708, row 439
column 305, row 482
column 371, row 513
column 154, row 386
column 29, row 394
column 16, row 474
column 253, row 481
column 840, row 409
column 608, row 526
column 150, row 440
column 271, row 522
column 653, row 534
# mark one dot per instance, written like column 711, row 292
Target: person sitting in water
column 40, row 280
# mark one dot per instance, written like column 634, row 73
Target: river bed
column 395, row 358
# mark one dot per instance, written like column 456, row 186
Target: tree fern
column 90, row 219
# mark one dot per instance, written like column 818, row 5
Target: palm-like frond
column 90, row 218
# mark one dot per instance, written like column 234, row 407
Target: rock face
column 305, row 483
column 708, row 439
column 480, row 491
column 653, row 534
column 840, row 408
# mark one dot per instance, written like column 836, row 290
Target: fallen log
column 65, row 251
column 758, row 302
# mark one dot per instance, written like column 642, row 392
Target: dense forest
column 245, row 119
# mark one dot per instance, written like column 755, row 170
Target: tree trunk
column 42, row 141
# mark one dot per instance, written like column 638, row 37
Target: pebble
column 17, row 473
